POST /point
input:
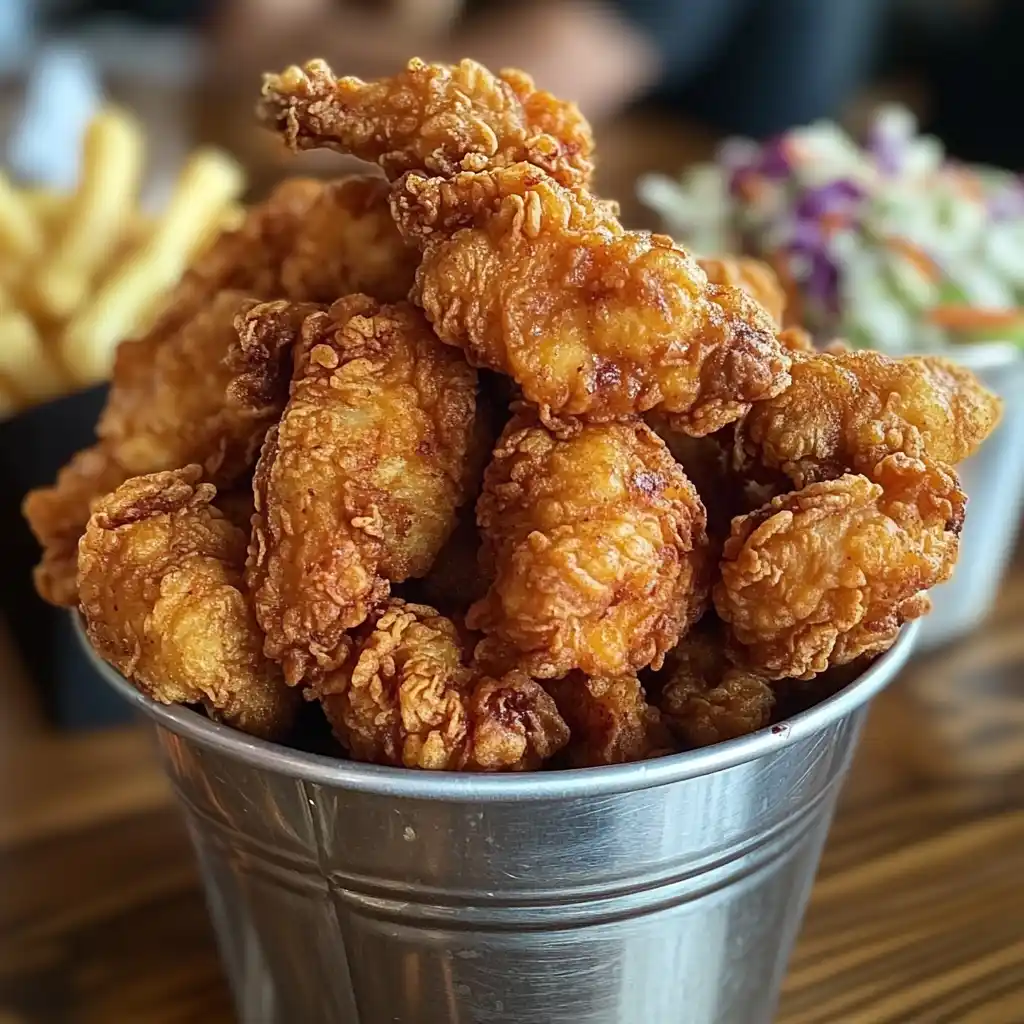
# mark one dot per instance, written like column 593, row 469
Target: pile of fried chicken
column 497, row 482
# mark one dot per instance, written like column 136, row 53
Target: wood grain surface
column 917, row 915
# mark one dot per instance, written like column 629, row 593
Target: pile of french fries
column 81, row 272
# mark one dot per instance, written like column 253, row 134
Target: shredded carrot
column 833, row 222
column 750, row 187
column 956, row 317
column 916, row 255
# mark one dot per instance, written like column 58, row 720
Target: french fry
column 209, row 182
column 49, row 208
column 100, row 211
column 21, row 237
column 25, row 363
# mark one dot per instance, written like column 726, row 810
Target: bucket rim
column 464, row 787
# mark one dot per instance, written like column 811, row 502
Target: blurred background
column 661, row 78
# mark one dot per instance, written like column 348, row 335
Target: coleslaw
column 889, row 244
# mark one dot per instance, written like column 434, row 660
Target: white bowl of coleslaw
column 891, row 246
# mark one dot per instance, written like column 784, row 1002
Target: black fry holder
column 33, row 447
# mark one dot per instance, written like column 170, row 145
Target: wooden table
column 917, row 916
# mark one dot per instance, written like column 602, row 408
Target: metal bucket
column 665, row 891
column 993, row 480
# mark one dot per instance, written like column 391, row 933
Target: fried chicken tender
column 440, row 118
column 161, row 589
column 208, row 394
column 757, row 279
column 545, row 286
column 312, row 241
column 830, row 572
column 845, row 412
column 705, row 699
column 348, row 242
column 597, row 547
column 360, row 482
column 57, row 516
column 407, row 696
column 609, row 719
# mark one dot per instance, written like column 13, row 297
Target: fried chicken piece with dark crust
column 161, row 589
column 439, row 118
column 596, row 545
column 57, row 516
column 456, row 579
column 705, row 699
column 707, row 461
column 846, row 411
column 609, row 719
column 359, row 484
column 823, row 575
column 407, row 696
column 592, row 321
column 757, row 279
column 207, row 394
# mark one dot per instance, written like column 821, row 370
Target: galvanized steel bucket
column 664, row 892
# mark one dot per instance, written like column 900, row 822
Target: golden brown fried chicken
column 797, row 339
column 207, row 394
column 705, row 699
column 757, row 279
column 825, row 574
column 360, row 482
column 406, row 696
column 609, row 719
column 846, row 411
column 161, row 589
column 596, row 543
column 348, row 243
column 590, row 320
column 309, row 241
column 440, row 118
column 58, row 514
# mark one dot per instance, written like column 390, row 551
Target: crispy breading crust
column 206, row 395
column 597, row 545
column 846, row 411
column 609, row 719
column 828, row 573
column 757, row 279
column 359, row 484
column 407, row 696
column 161, row 589
column 58, row 514
column 705, row 699
column 590, row 320
column 441, row 118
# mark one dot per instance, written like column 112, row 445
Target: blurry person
column 750, row 66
